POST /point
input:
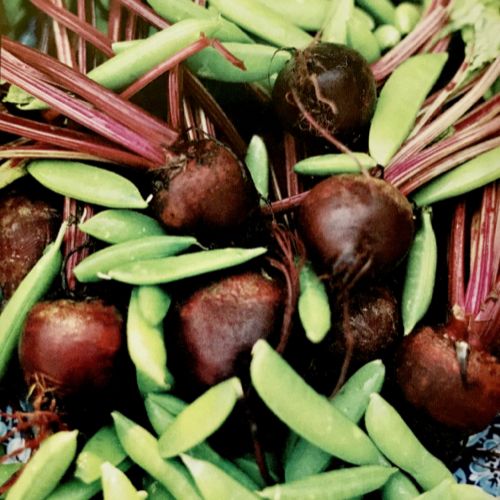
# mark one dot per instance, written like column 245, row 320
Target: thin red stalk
column 480, row 114
column 65, row 53
column 175, row 97
column 82, row 44
column 285, row 204
column 114, row 21
column 219, row 47
column 205, row 123
column 71, row 21
column 130, row 26
column 456, row 258
column 145, row 12
column 292, row 182
column 189, row 121
column 436, row 47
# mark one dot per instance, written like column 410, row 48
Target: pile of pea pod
column 356, row 445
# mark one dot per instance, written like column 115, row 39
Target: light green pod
column 471, row 175
column 383, row 11
column 362, row 39
column 99, row 263
column 257, row 161
column 156, row 491
column 399, row 444
column 387, row 36
column 334, row 29
column 440, row 492
column 331, row 164
column 46, row 468
column 363, row 16
column 399, row 103
column 399, row 487
column 468, row 492
column 118, row 226
column 201, row 418
column 87, row 183
column 154, row 303
column 116, row 485
column 420, row 273
column 305, row 411
column 407, row 16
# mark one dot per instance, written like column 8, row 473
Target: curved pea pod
column 142, row 448
column 156, row 491
column 399, row 103
column 103, row 446
column 440, row 492
column 257, row 161
column 468, row 492
column 214, row 483
column 407, row 16
column 361, row 38
column 146, row 347
column 382, row 10
column 125, row 68
column 99, row 263
column 118, row 226
column 352, row 400
column 313, row 305
column 168, row 269
column 115, row 484
column 154, row 303
column 399, row 444
column 46, row 468
column 331, row 164
column 87, row 183
column 31, row 289
column 399, row 487
column 387, row 36
column 339, row 484
column 471, row 175
column 305, row 411
column 201, row 418
column 334, row 29
column 259, row 60
column 420, row 274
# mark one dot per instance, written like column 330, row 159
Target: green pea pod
column 331, row 164
column 142, row 448
column 118, row 226
column 364, row 17
column 201, row 418
column 440, row 492
column 420, row 273
column 335, row 23
column 146, row 347
column 257, row 161
column 125, row 68
column 399, row 103
column 46, row 468
column 399, row 487
column 115, row 484
column 383, row 11
column 471, row 175
column 180, row 10
column 99, row 263
column 352, row 400
column 387, row 36
column 31, row 289
column 103, row 446
column 361, row 38
column 468, row 492
column 154, row 303
column 87, row 183
column 313, row 305
column 168, row 269
column 156, row 491
column 307, row 412
column 262, row 21
column 399, row 444
column 407, row 16
column 341, row 483
column 214, row 483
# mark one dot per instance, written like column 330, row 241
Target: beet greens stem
column 456, row 258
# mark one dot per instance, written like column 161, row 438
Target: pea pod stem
column 257, row 161
column 331, row 164
column 115, row 484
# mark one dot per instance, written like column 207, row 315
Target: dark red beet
column 355, row 225
column 206, row 192
column 335, row 85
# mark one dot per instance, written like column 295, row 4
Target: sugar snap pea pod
column 214, row 483
column 352, row 400
column 361, row 38
column 468, row 492
column 257, row 161
column 142, row 448
column 420, row 273
column 125, row 68
column 115, row 484
column 168, row 269
column 155, row 490
column 159, row 406
column 399, row 487
column 331, row 164
column 334, row 27
column 340, row 484
column 440, row 492
column 146, row 347
column 259, row 60
column 363, row 16
column 31, row 289
column 46, row 468
column 313, row 305
column 118, row 226
column 399, row 102
column 387, row 36
column 179, row 10
column 201, row 418
column 407, row 16
column 472, row 174
column 262, row 21
column 307, row 412
column 382, row 10
column 399, row 444
column 87, row 183
column 103, row 446
column 98, row 263
column 154, row 303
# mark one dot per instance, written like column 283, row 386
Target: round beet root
column 205, row 192
column 334, row 84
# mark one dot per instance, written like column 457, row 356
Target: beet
column 205, row 192
column 355, row 225
column 334, row 84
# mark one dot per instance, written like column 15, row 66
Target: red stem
column 456, row 258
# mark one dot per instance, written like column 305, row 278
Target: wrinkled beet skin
column 206, row 192
column 346, row 219
column 344, row 78
column 428, row 374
